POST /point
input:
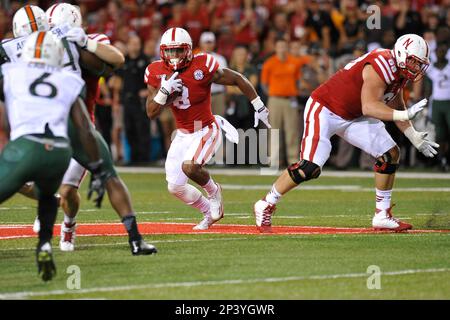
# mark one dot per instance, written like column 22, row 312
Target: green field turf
column 205, row 266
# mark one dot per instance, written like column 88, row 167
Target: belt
column 215, row 93
column 48, row 141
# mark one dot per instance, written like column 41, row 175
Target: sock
column 273, row 196
column 201, row 204
column 210, row 187
column 68, row 220
column 130, row 224
column 383, row 199
column 47, row 210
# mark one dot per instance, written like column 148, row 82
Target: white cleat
column 36, row 225
column 263, row 215
column 205, row 223
column 67, row 242
column 384, row 221
column 216, row 203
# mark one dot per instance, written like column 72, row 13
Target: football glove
column 97, row 182
column 411, row 112
column 168, row 87
column 419, row 141
column 80, row 37
column 261, row 112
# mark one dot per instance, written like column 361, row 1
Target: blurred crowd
column 252, row 37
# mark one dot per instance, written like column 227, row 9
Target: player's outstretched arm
column 94, row 65
column 105, row 52
column 372, row 93
column 230, row 77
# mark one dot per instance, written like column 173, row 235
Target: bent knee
column 303, row 170
column 394, row 153
column 190, row 168
column 68, row 192
column 176, row 189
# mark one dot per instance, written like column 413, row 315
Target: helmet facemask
column 414, row 68
column 176, row 56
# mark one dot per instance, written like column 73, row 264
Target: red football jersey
column 342, row 92
column 92, row 87
column 192, row 109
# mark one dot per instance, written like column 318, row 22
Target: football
column 171, row 98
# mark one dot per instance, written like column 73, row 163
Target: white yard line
column 89, row 245
column 29, row 294
column 345, row 188
column 326, row 173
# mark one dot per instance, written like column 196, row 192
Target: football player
column 182, row 82
column 352, row 104
column 39, row 98
column 65, row 23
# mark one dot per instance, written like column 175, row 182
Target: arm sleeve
column 150, row 77
column 382, row 68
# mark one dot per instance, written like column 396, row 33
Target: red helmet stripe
column 173, row 33
column 31, row 17
column 51, row 12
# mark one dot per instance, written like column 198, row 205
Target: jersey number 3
column 42, row 88
column 182, row 102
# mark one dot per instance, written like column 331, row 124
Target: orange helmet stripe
column 38, row 47
column 31, row 17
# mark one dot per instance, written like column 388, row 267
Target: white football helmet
column 61, row 13
column 412, row 54
column 176, row 48
column 43, row 47
column 29, row 19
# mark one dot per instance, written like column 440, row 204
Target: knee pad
column 385, row 165
column 303, row 170
column 186, row 193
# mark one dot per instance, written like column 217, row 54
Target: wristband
column 95, row 166
column 398, row 115
column 160, row 98
column 257, row 104
column 91, row 45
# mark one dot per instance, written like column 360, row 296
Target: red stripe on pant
column 213, row 143
column 311, row 106
column 316, row 137
column 203, row 142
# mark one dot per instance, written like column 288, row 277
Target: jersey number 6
column 40, row 82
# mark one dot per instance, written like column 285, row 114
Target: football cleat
column 205, row 223
column 263, row 214
column 44, row 259
column 67, row 242
column 216, row 203
column 383, row 220
column 140, row 247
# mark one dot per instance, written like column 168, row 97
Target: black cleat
column 44, row 258
column 141, row 247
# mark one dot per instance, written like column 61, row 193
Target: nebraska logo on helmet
column 407, row 43
column 412, row 55
column 176, row 48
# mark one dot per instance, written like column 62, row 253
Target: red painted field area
column 149, row 228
